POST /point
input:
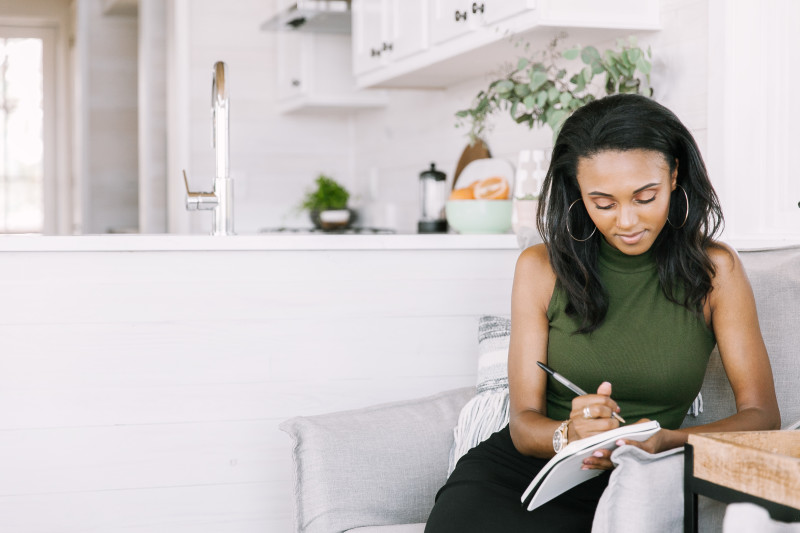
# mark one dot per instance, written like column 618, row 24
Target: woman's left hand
column 599, row 460
column 662, row 440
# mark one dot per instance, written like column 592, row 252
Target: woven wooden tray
column 765, row 464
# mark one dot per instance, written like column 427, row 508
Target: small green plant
column 328, row 195
column 537, row 90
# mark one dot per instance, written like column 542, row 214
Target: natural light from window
column 21, row 136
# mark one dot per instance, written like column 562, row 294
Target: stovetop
column 355, row 230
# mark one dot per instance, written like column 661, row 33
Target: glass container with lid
column 432, row 198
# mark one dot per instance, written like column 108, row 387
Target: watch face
column 557, row 440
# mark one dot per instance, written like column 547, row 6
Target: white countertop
column 289, row 241
column 158, row 243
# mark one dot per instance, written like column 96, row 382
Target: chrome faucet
column 221, row 198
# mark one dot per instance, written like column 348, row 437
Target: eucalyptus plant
column 538, row 90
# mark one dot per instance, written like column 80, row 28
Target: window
column 21, row 135
column 27, row 129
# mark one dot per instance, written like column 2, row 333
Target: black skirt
column 483, row 495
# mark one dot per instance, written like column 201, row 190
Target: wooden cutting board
column 479, row 150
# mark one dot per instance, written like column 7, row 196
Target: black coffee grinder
column 432, row 198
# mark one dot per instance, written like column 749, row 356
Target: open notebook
column 563, row 471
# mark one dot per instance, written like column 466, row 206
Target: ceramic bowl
column 479, row 216
column 332, row 219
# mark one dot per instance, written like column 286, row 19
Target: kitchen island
column 256, row 242
column 143, row 377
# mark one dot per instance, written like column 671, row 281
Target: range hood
column 319, row 16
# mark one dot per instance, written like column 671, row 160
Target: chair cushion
column 775, row 278
column 379, row 465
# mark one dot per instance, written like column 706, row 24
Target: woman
column 627, row 297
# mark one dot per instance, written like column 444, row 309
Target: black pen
column 570, row 385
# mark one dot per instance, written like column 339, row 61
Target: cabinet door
column 451, row 19
column 407, row 28
column 494, row 10
column 290, row 65
column 368, row 31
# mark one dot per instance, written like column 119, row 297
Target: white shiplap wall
column 142, row 390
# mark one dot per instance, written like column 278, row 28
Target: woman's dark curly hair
column 620, row 123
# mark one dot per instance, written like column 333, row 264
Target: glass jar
column 531, row 171
column 432, row 198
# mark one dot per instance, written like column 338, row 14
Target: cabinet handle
column 295, row 83
column 461, row 16
column 374, row 53
column 388, row 47
column 477, row 8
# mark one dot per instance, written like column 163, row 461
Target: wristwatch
column 560, row 436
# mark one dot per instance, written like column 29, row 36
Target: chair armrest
column 379, row 465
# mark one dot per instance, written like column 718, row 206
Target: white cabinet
column 496, row 11
column 455, row 40
column 368, row 31
column 452, row 18
column 315, row 71
column 407, row 28
column 290, row 65
column 385, row 31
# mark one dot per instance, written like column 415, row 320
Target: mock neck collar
column 621, row 262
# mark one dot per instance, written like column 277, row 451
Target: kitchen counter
column 292, row 242
column 155, row 243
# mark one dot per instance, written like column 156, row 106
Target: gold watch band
column 561, row 436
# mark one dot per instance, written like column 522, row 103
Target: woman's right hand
column 599, row 408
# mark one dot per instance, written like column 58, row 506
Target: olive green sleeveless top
column 653, row 352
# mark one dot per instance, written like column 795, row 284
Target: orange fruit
column 492, row 188
column 462, row 194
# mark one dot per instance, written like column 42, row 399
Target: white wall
column 107, row 118
column 274, row 157
column 142, row 390
column 753, row 117
column 152, row 115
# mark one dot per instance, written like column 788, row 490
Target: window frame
column 55, row 180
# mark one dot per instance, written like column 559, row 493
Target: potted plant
column 327, row 204
column 538, row 91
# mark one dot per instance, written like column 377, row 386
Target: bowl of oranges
column 483, row 206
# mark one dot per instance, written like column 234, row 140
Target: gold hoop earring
column 569, row 232
column 686, row 217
